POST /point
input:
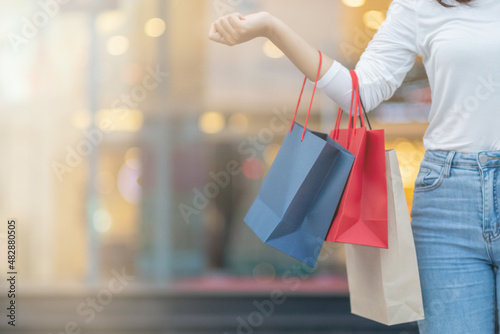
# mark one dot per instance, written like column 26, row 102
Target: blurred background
column 118, row 122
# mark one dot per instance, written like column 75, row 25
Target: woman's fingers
column 226, row 37
column 229, row 31
column 235, row 22
column 213, row 34
column 234, row 29
column 232, row 34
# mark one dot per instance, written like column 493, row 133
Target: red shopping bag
column 361, row 217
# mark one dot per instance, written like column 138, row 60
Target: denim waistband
column 456, row 159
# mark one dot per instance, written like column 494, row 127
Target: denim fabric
column 455, row 221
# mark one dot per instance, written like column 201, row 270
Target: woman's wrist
column 272, row 27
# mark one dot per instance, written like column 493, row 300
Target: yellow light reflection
column 110, row 21
column 211, row 122
column 373, row 19
column 410, row 154
column 404, row 147
column 271, row 50
column 353, row 3
column 154, row 27
column 270, row 153
column 117, row 45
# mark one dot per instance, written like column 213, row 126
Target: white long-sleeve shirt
column 460, row 48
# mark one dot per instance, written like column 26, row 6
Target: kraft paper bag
column 384, row 284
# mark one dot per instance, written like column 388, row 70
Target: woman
column 455, row 215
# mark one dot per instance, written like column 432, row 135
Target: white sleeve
column 383, row 65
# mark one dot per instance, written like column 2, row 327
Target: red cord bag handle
column 312, row 97
column 356, row 106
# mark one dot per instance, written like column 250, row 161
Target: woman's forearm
column 301, row 53
column 235, row 29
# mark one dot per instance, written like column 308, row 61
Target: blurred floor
column 197, row 313
column 152, row 310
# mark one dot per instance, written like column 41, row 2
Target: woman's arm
column 236, row 29
column 381, row 68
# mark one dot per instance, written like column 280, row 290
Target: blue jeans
column 455, row 221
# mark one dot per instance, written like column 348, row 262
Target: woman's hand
column 236, row 29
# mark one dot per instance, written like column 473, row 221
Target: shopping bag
column 293, row 209
column 362, row 212
column 384, row 284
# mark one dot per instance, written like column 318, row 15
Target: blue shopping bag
column 298, row 198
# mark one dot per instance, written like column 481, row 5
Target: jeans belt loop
column 447, row 164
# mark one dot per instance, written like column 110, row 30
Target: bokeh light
column 410, row 154
column 154, row 27
column 133, row 158
column 271, row 50
column 102, row 221
column 373, row 19
column 253, row 168
column 133, row 163
column 128, row 184
column 211, row 122
column 353, row 3
column 110, row 21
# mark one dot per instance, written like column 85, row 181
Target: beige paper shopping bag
column 384, row 284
